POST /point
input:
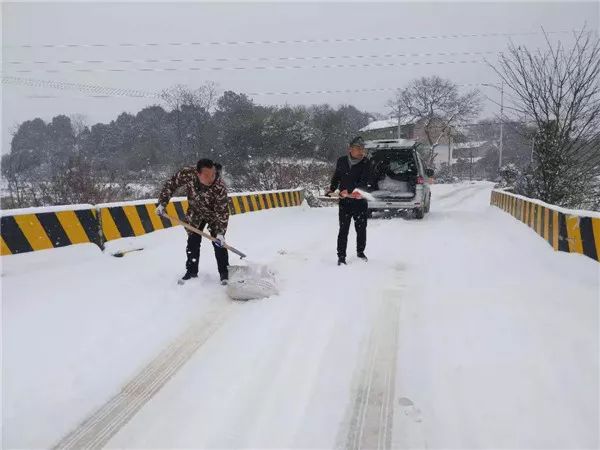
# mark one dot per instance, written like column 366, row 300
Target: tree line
column 551, row 143
column 143, row 149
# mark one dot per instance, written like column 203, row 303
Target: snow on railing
column 566, row 230
column 29, row 229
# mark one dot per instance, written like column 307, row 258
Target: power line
column 291, row 41
column 325, row 91
column 280, row 58
column 340, row 91
column 86, row 88
column 222, row 68
column 108, row 92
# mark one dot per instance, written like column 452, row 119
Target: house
column 388, row 129
column 474, row 150
column 465, row 155
column 467, row 158
column 409, row 129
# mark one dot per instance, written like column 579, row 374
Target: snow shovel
column 335, row 196
column 203, row 234
column 122, row 253
column 249, row 282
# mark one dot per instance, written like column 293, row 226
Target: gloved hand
column 220, row 242
column 160, row 210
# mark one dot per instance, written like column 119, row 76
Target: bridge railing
column 31, row 229
column 564, row 229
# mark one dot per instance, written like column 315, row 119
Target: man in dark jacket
column 351, row 172
column 207, row 198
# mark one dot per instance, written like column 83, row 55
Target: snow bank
column 44, row 209
column 572, row 212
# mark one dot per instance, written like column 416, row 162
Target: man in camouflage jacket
column 207, row 198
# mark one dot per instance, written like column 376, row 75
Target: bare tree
column 285, row 173
column 174, row 98
column 13, row 170
column 203, row 98
column 558, row 89
column 437, row 105
column 79, row 123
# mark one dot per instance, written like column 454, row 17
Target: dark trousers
column 357, row 210
column 193, row 254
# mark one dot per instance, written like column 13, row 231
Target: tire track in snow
column 459, row 196
column 450, row 194
column 105, row 422
column 369, row 421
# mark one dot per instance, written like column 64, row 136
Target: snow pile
column 251, row 282
column 389, row 187
column 389, row 184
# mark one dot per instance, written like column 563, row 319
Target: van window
column 399, row 165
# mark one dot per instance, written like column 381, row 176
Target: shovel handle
column 203, row 234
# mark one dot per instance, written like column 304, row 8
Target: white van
column 399, row 179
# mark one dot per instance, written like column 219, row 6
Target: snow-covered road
column 464, row 330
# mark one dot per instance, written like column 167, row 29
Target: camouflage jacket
column 207, row 204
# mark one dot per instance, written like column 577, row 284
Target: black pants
column 193, row 254
column 357, row 210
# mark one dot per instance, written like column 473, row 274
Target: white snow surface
column 43, row 209
column 488, row 337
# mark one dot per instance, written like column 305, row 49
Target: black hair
column 358, row 141
column 204, row 162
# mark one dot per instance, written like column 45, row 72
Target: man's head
column 357, row 148
column 207, row 171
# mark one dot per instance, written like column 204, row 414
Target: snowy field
column 464, row 330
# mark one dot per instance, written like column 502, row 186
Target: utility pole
column 471, row 167
column 501, row 125
column 449, row 151
column 501, row 146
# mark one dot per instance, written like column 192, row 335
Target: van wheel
column 428, row 204
column 419, row 213
column 369, row 213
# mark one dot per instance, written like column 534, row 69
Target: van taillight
column 420, row 180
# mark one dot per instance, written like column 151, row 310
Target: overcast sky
column 388, row 44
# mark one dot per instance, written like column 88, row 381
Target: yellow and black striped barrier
column 574, row 233
column 22, row 233
column 119, row 221
column 239, row 204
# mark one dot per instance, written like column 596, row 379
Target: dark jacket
column 207, row 204
column 349, row 178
